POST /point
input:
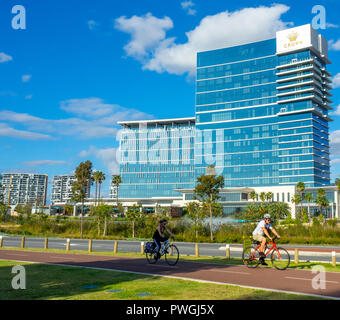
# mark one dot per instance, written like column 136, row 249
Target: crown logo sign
column 292, row 36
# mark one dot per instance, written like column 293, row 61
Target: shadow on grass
column 60, row 282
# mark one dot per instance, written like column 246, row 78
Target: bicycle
column 280, row 257
column 169, row 251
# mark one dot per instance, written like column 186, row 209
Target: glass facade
column 156, row 158
column 261, row 117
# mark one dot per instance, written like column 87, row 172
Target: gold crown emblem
column 292, row 36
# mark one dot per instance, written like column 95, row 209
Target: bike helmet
column 267, row 216
column 163, row 220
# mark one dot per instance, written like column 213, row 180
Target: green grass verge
column 202, row 259
column 51, row 282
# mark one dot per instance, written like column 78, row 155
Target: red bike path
column 290, row 280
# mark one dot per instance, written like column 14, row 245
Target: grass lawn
column 67, row 283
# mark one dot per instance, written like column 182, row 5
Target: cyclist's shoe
column 157, row 256
column 263, row 262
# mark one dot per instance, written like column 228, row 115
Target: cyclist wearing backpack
column 159, row 235
column 259, row 235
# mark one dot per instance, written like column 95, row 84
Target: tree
column 3, row 207
column 269, row 196
column 95, row 178
column 24, row 209
column 321, row 199
column 68, row 209
column 337, row 183
column 196, row 214
column 300, row 186
column 133, row 214
column 101, row 212
column 207, row 192
column 296, row 199
column 116, row 181
column 101, row 178
column 262, row 196
column 253, row 195
column 309, row 198
column 83, row 174
column 279, row 210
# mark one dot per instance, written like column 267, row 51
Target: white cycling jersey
column 260, row 225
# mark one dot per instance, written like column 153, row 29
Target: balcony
column 296, row 77
column 294, row 92
column 295, row 63
column 296, row 70
column 297, row 84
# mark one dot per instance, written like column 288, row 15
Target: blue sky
column 81, row 66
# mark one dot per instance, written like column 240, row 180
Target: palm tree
column 309, row 198
column 263, row 196
column 95, row 178
column 101, row 178
column 116, row 181
column 321, row 199
column 83, row 174
column 300, row 186
column 253, row 195
column 269, row 196
column 337, row 182
column 296, row 199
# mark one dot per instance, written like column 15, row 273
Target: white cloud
column 146, row 33
column 7, row 131
column 38, row 163
column 5, row 57
column 28, row 97
column 26, row 77
column 334, row 45
column 336, row 81
column 96, row 119
column 92, row 24
column 335, row 143
column 335, row 161
column 108, row 156
column 331, row 25
column 188, row 7
column 336, row 111
column 217, row 31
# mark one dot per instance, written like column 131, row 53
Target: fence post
column 333, row 258
column 296, row 256
column 68, row 245
column 142, row 247
column 197, row 250
column 227, row 251
column 115, row 247
column 90, row 245
column 46, row 243
column 0, row 241
column 23, row 242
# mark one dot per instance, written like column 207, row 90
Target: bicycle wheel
column 151, row 257
column 172, row 255
column 251, row 257
column 280, row 258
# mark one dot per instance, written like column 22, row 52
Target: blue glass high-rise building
column 156, row 158
column 261, row 117
column 262, row 111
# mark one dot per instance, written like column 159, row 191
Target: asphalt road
column 311, row 253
